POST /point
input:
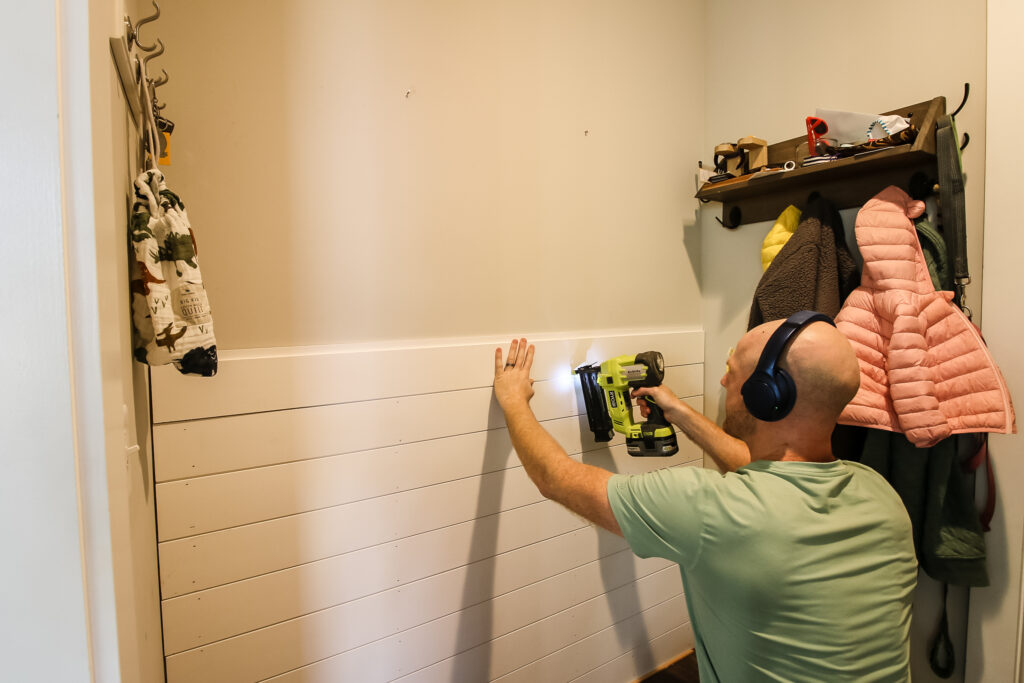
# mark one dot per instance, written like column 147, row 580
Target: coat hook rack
column 131, row 69
column 847, row 182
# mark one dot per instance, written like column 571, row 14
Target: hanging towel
column 785, row 226
column 925, row 371
column 814, row 270
column 170, row 310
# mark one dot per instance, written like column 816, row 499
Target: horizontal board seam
column 577, row 456
column 503, row 635
column 347, row 453
column 389, row 542
column 599, row 446
column 404, row 345
column 651, row 639
column 368, row 400
column 441, row 616
column 685, row 628
column 608, row 628
column 329, row 507
column 574, row 456
column 561, row 611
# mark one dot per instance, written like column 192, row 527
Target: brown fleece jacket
column 814, row 270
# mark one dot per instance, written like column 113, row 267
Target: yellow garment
column 780, row 233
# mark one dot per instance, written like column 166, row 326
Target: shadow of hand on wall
column 477, row 629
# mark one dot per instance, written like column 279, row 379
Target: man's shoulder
column 669, row 483
column 689, row 474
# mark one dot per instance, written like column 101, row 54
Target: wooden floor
column 683, row 670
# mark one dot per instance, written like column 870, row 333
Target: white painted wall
column 121, row 451
column 994, row 637
column 774, row 64
column 77, row 494
column 114, row 452
column 542, row 158
column 42, row 579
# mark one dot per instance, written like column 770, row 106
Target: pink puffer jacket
column 925, row 370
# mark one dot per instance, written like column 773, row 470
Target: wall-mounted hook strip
column 129, row 32
column 135, row 33
column 967, row 92
column 128, row 72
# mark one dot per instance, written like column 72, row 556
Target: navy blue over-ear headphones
column 769, row 393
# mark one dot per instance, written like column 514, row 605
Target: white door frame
column 996, row 612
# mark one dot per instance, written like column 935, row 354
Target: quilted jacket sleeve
column 912, row 381
column 868, row 333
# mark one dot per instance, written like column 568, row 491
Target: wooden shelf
column 846, row 182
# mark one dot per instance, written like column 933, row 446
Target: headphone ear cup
column 786, row 388
column 769, row 398
column 761, row 396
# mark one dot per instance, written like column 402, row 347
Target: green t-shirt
column 793, row 571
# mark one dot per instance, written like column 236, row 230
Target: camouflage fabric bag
column 170, row 310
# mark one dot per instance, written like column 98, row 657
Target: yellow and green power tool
column 606, row 388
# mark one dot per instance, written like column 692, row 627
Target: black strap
column 941, row 655
column 953, row 212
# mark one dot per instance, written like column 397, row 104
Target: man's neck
column 807, row 450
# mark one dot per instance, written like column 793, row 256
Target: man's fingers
column 520, row 356
column 520, row 360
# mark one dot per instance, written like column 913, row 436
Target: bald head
column 821, row 362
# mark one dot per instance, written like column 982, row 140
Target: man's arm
column 581, row 488
column 729, row 453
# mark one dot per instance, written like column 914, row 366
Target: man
column 796, row 566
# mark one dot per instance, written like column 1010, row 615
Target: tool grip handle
column 657, row 415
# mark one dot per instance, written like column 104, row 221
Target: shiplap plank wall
column 359, row 514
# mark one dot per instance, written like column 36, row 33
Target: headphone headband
column 769, row 393
column 784, row 334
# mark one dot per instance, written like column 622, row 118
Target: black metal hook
column 734, row 219
column 967, row 92
column 151, row 55
column 967, row 140
column 921, row 185
column 146, row 21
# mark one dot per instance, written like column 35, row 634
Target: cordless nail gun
column 606, row 388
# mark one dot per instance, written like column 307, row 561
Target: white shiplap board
column 359, row 514
column 222, row 444
column 260, row 380
column 642, row 658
